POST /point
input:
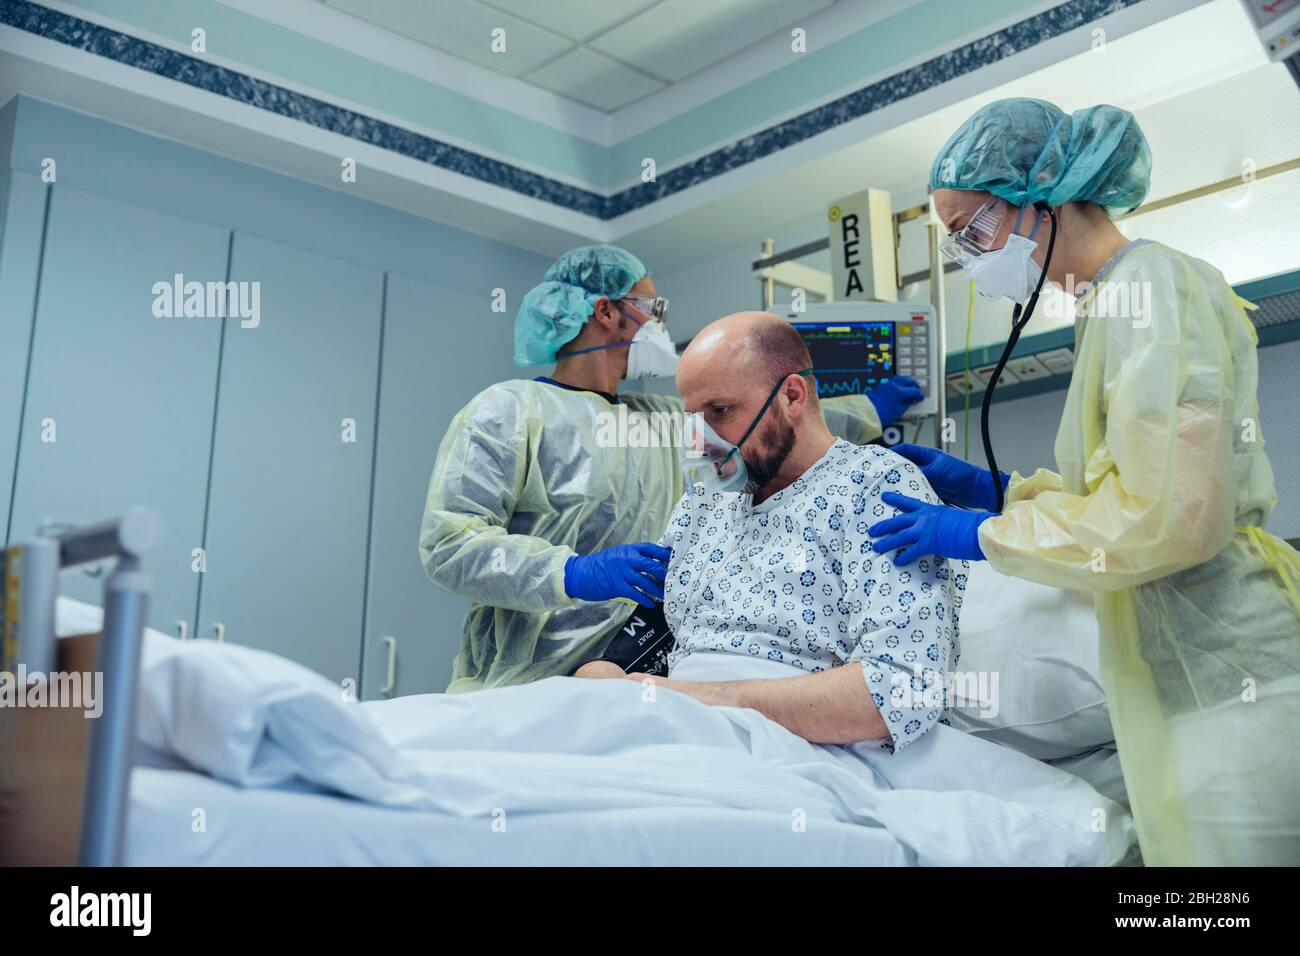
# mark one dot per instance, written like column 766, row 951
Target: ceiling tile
column 576, row 19
column 679, row 37
column 593, row 79
column 463, row 28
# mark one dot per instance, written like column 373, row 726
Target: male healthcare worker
column 547, row 494
column 1162, row 486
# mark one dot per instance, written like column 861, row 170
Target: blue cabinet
column 292, row 455
column 426, row 380
column 119, row 401
column 258, row 444
column 22, row 220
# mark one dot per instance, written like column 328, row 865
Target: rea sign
column 863, row 253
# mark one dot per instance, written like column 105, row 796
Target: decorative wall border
column 122, row 48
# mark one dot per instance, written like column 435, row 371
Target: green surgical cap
column 555, row 311
column 1027, row 151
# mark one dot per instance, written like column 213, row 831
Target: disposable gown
column 1158, row 509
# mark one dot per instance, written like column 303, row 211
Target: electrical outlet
column 960, row 384
column 1058, row 361
column 1028, row 369
column 985, row 373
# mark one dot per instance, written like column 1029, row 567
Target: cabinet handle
column 182, row 629
column 391, row 643
column 220, row 631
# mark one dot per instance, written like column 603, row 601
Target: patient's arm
column 829, row 707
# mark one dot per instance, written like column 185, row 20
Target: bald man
column 773, row 593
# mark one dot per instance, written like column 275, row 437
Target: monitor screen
column 850, row 358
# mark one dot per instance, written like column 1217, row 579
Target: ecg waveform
column 845, row 386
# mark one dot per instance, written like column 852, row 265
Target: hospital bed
column 181, row 792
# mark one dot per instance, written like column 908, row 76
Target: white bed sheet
column 279, row 827
column 1101, row 769
column 290, row 772
column 566, row 748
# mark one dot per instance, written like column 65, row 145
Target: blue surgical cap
column 1027, row 151
column 555, row 311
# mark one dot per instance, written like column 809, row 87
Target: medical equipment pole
column 108, row 775
column 769, row 286
column 126, row 601
column 933, row 226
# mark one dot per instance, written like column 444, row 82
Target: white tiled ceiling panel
column 603, row 53
column 594, row 79
column 675, row 38
column 579, row 20
column 463, row 28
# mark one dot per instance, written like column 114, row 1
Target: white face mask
column 651, row 354
column 1009, row 272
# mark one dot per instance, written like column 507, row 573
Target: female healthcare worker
column 1162, row 491
column 546, row 496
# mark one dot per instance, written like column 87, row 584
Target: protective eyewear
column 977, row 236
column 654, row 306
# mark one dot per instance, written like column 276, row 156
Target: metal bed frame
column 34, row 564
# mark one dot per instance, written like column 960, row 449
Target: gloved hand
column 956, row 481
column 928, row 529
column 633, row 571
column 894, row 397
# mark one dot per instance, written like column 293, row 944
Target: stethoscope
column 1020, row 317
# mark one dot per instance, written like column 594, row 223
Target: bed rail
column 33, row 568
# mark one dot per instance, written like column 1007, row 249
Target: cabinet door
column 22, row 220
column 289, row 506
column 120, row 401
column 429, row 373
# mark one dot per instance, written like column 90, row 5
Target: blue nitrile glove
column 633, row 571
column 928, row 529
column 956, row 481
column 894, row 397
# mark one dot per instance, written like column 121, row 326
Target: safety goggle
column 977, row 236
column 656, row 306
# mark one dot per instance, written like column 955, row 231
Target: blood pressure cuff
column 642, row 644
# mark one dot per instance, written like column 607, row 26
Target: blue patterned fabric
column 794, row 580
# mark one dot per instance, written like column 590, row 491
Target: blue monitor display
column 850, row 358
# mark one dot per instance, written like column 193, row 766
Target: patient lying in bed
column 851, row 648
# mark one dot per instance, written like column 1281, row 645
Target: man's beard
column 765, row 466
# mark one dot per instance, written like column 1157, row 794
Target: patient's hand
column 599, row 669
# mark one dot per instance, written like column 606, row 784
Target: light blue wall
column 1279, row 402
column 319, row 364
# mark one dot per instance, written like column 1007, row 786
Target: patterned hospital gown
column 794, row 579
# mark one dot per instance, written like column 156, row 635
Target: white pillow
column 76, row 617
column 1041, row 642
